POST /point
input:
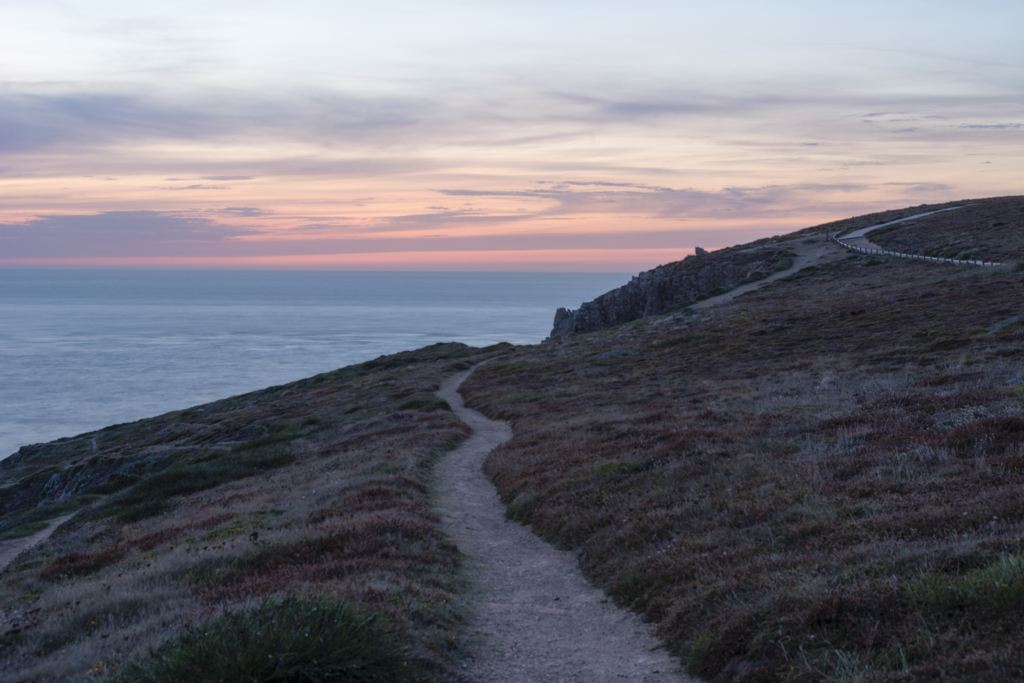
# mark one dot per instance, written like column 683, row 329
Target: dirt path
column 535, row 618
column 813, row 253
column 862, row 232
column 808, row 254
column 858, row 238
column 14, row 547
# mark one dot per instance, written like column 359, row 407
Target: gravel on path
column 534, row 618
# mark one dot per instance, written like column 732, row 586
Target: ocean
column 83, row 349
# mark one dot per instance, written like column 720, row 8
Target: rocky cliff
column 672, row 286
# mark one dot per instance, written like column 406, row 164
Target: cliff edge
column 674, row 285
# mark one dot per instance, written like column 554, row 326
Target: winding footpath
column 813, row 254
column 534, row 618
column 14, row 547
column 861, row 234
column 858, row 241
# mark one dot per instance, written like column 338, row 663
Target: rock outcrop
column 672, row 286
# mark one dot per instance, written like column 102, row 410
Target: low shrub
column 152, row 496
column 268, row 440
column 996, row 589
column 23, row 530
column 519, row 509
column 621, row 467
column 366, row 545
column 292, row 641
column 27, row 522
column 427, row 404
column 992, row 435
column 117, row 482
column 75, row 563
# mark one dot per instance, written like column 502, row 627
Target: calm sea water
column 83, row 349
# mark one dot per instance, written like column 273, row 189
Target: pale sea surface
column 83, row 349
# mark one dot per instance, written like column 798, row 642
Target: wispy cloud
column 244, row 211
column 35, row 119
column 647, row 200
column 66, row 118
column 109, row 233
column 190, row 187
column 996, row 126
column 631, row 122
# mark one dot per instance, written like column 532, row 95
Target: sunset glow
column 450, row 135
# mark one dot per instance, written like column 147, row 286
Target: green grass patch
column 520, row 508
column 117, row 482
column 998, row 587
column 27, row 522
column 226, row 532
column 426, row 404
column 293, row 641
column 268, row 440
column 802, row 273
column 677, row 341
column 23, row 530
column 621, row 467
column 697, row 657
column 1015, row 321
column 155, row 494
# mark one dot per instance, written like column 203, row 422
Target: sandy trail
column 535, row 619
column 14, row 547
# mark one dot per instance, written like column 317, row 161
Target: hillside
column 315, row 489
column 985, row 229
column 819, row 479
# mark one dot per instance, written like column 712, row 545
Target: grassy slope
column 820, row 480
column 985, row 229
column 314, row 488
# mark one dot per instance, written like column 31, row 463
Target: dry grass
column 987, row 229
column 341, row 512
column 817, row 481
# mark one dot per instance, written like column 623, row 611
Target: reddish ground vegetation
column 789, row 491
column 341, row 510
column 984, row 229
column 75, row 563
column 386, row 535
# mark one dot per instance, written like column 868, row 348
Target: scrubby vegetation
column 291, row 524
column 291, row 641
column 820, row 480
column 984, row 229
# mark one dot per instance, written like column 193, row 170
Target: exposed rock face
column 23, row 454
column 49, row 486
column 671, row 286
column 68, row 467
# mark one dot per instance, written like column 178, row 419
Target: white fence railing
column 936, row 259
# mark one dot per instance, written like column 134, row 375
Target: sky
column 450, row 135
